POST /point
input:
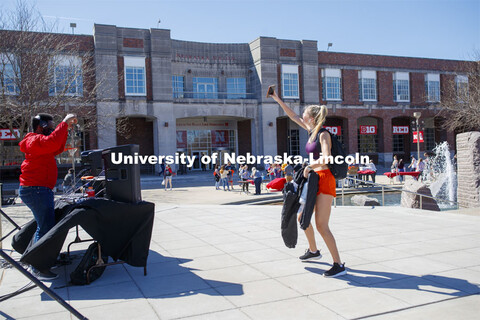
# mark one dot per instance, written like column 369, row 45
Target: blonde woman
column 224, row 177
column 312, row 120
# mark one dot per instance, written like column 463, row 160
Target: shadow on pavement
column 387, row 280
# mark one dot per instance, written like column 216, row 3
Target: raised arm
column 290, row 113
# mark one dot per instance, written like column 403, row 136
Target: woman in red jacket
column 39, row 171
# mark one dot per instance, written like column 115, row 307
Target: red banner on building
column 220, row 138
column 337, row 130
column 368, row 129
column 415, row 136
column 181, row 139
column 401, row 129
column 6, row 134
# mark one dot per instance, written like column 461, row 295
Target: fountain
column 441, row 176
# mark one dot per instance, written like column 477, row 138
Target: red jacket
column 39, row 169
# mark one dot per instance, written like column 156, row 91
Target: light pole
column 417, row 116
column 73, row 26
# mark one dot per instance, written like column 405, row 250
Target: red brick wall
column 385, row 88
column 350, row 87
column 287, row 52
column 132, row 43
column 367, row 60
column 121, row 78
column 417, row 87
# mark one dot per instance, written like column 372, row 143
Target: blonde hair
column 319, row 115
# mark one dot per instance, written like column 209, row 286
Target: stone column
column 468, row 173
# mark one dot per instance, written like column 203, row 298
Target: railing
column 212, row 95
column 383, row 186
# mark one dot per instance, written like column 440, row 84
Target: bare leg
column 310, row 234
column 323, row 208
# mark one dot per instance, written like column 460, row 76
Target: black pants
column 245, row 185
column 258, row 184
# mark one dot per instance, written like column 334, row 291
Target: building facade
column 206, row 98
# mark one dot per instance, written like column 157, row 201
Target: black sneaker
column 336, row 271
column 46, row 275
column 310, row 256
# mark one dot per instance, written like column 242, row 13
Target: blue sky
column 448, row 29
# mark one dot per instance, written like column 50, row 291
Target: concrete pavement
column 210, row 261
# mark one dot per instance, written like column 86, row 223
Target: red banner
column 337, row 130
column 219, row 138
column 368, row 129
column 401, row 129
column 181, row 139
column 6, row 134
column 415, row 136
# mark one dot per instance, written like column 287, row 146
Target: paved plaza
column 214, row 261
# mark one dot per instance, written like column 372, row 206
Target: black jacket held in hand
column 289, row 215
column 291, row 205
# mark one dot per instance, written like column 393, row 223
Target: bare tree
column 461, row 98
column 43, row 72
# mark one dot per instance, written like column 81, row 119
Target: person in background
column 420, row 168
column 371, row 166
column 39, row 173
column 224, row 177
column 230, row 170
column 168, row 177
column 245, row 175
column 401, row 168
column 257, row 176
column 67, row 183
column 216, row 174
column 413, row 164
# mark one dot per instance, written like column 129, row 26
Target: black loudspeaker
column 92, row 160
column 122, row 179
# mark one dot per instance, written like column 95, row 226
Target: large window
column 401, row 87
column 367, row 83
column 432, row 87
column 332, row 84
column 461, row 83
column 236, row 88
column 135, row 80
column 178, row 86
column 398, row 143
column 8, row 84
column 290, row 81
column 205, row 88
column 66, row 76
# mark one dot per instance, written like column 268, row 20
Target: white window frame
column 397, row 77
column 328, row 75
column 290, row 71
column 5, row 60
column 367, row 75
column 67, row 61
column 135, row 62
column 432, row 85
column 175, row 82
column 201, row 88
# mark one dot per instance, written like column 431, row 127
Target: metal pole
column 418, row 141
column 45, row 289
column 421, row 205
column 383, row 196
column 343, row 196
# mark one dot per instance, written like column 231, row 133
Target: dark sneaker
column 310, row 256
column 46, row 275
column 336, row 271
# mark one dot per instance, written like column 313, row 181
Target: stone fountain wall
column 468, row 169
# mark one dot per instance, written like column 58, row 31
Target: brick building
column 205, row 98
